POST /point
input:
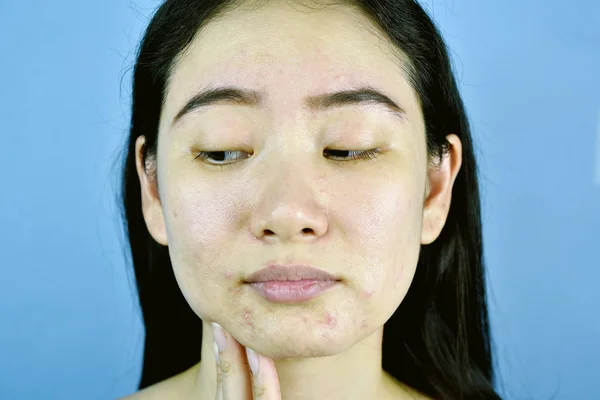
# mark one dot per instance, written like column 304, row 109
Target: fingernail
column 219, row 336
column 216, row 349
column 252, row 360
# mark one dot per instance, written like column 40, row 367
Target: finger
column 219, row 395
column 236, row 383
column 265, row 381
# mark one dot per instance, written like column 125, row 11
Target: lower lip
column 291, row 291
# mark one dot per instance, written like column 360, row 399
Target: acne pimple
column 234, row 289
column 228, row 275
column 248, row 317
column 368, row 294
column 330, row 320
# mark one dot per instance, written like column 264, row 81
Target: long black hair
column 438, row 340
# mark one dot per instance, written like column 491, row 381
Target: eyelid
column 202, row 155
column 368, row 155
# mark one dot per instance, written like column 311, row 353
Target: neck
column 353, row 374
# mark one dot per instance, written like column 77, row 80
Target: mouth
column 292, row 291
column 291, row 272
column 291, row 283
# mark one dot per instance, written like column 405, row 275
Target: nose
column 289, row 223
column 289, row 212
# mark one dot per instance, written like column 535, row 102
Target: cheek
column 383, row 225
column 198, row 222
column 202, row 214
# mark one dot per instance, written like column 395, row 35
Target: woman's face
column 284, row 195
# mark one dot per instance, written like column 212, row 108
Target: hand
column 243, row 374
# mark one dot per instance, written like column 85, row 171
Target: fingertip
column 216, row 350
column 219, row 336
column 253, row 361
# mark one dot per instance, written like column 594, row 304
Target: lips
column 291, row 283
column 294, row 272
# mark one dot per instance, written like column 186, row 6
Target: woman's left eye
column 220, row 159
column 357, row 154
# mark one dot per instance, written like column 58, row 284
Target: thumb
column 265, row 381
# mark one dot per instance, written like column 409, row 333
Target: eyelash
column 362, row 154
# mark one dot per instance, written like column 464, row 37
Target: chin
column 303, row 342
column 303, row 348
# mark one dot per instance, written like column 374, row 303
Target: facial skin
column 282, row 199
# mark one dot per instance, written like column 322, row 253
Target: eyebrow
column 232, row 95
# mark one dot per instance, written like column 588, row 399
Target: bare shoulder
column 161, row 390
column 171, row 388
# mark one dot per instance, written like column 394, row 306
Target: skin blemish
column 248, row 317
column 236, row 289
column 228, row 275
column 330, row 320
column 368, row 294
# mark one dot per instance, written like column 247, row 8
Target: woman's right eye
column 218, row 158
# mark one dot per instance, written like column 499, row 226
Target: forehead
column 289, row 52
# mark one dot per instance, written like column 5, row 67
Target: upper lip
column 289, row 272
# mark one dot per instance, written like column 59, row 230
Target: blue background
column 530, row 76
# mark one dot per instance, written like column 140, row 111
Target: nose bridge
column 288, row 162
column 289, row 180
column 289, row 204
